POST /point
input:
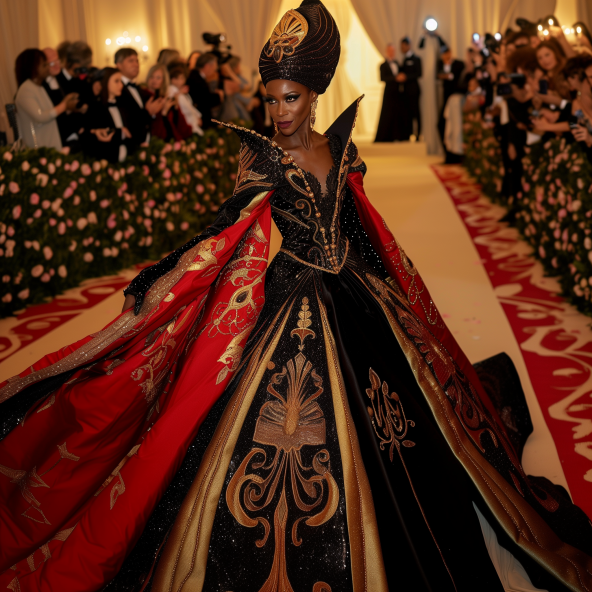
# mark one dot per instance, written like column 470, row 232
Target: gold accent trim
column 185, row 555
column 248, row 210
column 516, row 516
column 287, row 35
column 367, row 564
column 333, row 271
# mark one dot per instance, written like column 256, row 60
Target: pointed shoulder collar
column 344, row 125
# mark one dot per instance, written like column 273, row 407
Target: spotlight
column 138, row 39
column 120, row 41
column 551, row 22
column 545, row 32
column 476, row 37
column 107, row 41
column 498, row 36
column 540, row 27
column 127, row 40
column 145, row 48
column 431, row 24
column 578, row 30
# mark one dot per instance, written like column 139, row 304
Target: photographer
column 203, row 98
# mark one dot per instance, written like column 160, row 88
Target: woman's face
column 115, row 85
column 155, row 81
column 289, row 104
column 42, row 71
column 546, row 58
column 473, row 85
column 574, row 82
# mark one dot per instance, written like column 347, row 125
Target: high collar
column 66, row 74
column 125, row 80
column 409, row 54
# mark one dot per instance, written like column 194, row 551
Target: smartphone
column 504, row 89
column 543, row 86
column 573, row 125
column 157, row 93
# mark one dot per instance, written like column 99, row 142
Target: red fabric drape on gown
column 57, row 533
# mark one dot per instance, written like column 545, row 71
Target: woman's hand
column 68, row 103
column 581, row 134
column 125, row 133
column 130, row 302
column 103, row 134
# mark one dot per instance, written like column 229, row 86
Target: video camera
column 222, row 52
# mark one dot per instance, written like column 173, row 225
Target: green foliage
column 554, row 212
column 483, row 156
column 554, row 209
column 65, row 218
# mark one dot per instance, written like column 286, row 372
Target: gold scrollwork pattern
column 287, row 423
column 388, row 416
column 246, row 177
column 287, row 35
column 28, row 480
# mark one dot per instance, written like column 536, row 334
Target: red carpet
column 555, row 339
column 36, row 321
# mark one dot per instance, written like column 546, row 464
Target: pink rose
column 92, row 218
column 93, row 195
column 34, row 199
column 9, row 245
column 24, row 294
column 8, row 156
column 47, row 252
column 37, row 271
column 76, row 200
column 25, row 166
column 150, row 203
column 37, row 213
column 45, row 277
column 51, row 168
column 42, row 179
column 184, row 225
column 104, row 203
column 145, row 170
column 118, row 236
column 166, row 174
column 54, row 181
column 52, row 221
column 13, row 187
column 112, row 221
column 88, row 257
column 43, row 161
column 116, row 175
column 16, row 212
column 85, row 170
column 62, row 228
column 7, row 297
column 75, row 166
column 68, row 192
column 200, row 188
column 62, row 271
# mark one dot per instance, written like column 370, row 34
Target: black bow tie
column 132, row 84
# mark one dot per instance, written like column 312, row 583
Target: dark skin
column 291, row 102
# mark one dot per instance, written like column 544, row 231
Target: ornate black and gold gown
column 348, row 448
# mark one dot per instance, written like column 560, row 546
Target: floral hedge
column 64, row 218
column 554, row 214
column 553, row 211
column 483, row 156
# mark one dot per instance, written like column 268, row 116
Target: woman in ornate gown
column 311, row 425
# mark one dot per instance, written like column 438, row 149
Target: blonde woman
column 169, row 124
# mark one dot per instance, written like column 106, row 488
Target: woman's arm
column 27, row 102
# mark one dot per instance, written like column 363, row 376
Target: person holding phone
column 106, row 137
column 169, row 123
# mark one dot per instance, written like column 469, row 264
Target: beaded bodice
column 308, row 219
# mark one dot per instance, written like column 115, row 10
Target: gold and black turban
column 304, row 47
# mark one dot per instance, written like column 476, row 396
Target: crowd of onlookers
column 64, row 101
column 529, row 86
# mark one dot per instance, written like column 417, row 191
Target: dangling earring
column 276, row 128
column 313, row 113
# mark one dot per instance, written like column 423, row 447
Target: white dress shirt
column 118, row 122
column 393, row 66
column 133, row 91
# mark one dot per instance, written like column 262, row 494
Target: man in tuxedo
column 199, row 90
column 409, row 75
column 449, row 71
column 389, row 128
column 137, row 108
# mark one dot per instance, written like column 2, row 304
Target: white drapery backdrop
column 387, row 21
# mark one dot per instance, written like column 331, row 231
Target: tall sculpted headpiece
column 304, row 47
